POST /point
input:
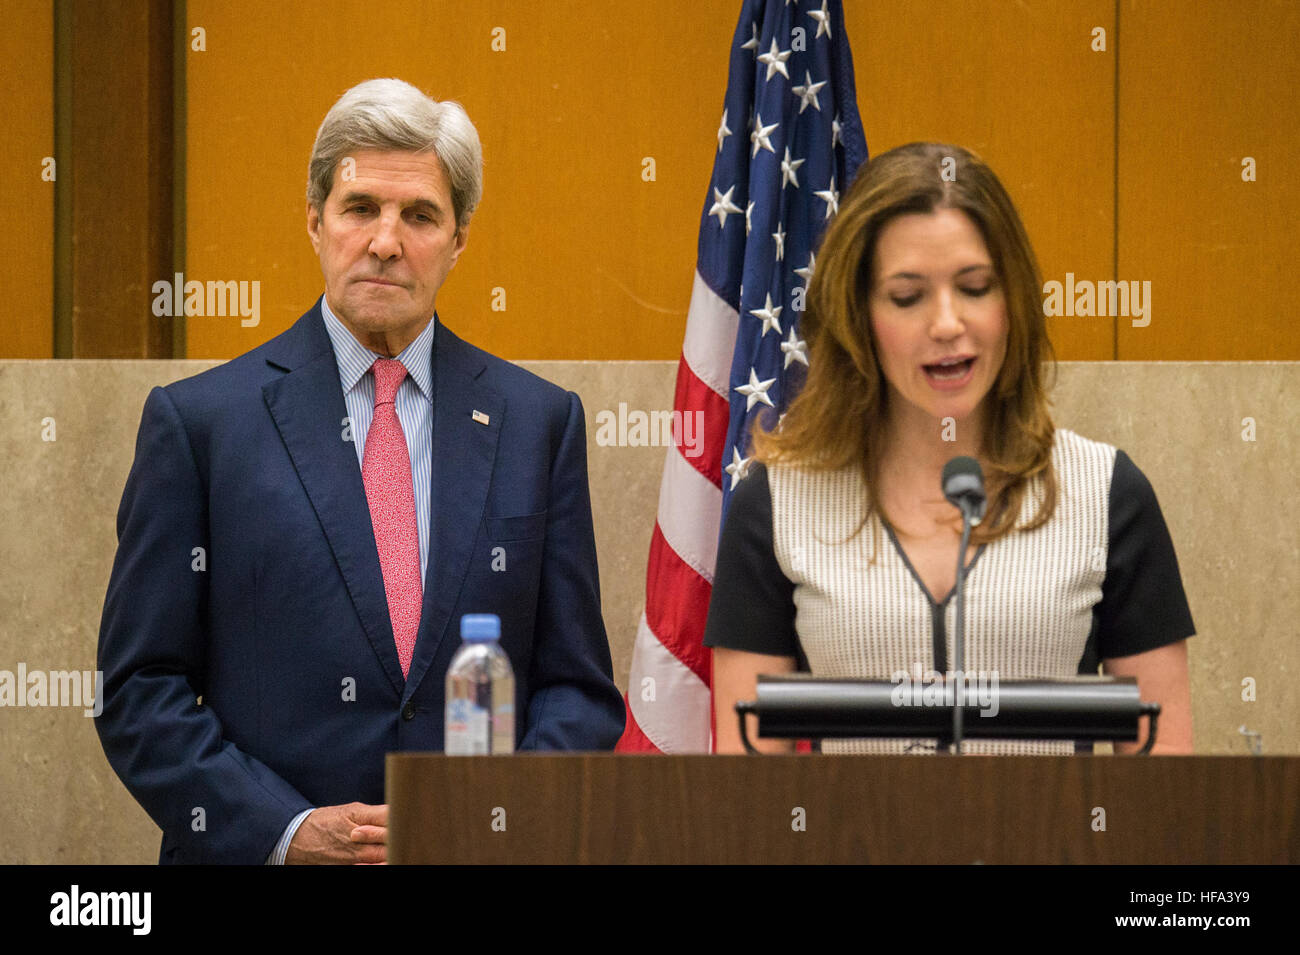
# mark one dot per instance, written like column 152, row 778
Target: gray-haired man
column 358, row 483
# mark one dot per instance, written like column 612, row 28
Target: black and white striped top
column 1099, row 580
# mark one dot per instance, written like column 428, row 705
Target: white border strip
column 710, row 341
column 676, row 720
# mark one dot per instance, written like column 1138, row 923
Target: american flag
column 789, row 141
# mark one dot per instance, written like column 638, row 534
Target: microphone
column 963, row 486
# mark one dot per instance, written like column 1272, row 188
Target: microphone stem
column 958, row 645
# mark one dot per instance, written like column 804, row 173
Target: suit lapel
column 464, row 451
column 308, row 409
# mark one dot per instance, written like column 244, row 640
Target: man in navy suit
column 286, row 597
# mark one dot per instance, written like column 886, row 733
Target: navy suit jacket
column 280, row 623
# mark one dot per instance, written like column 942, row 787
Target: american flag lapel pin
column 480, row 417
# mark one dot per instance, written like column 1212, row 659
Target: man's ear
column 313, row 226
column 462, row 238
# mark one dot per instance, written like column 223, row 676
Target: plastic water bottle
column 480, row 714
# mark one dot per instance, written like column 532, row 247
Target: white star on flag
column 823, row 18
column 795, row 349
column 722, row 205
column 769, row 316
column 749, row 214
column 836, row 128
column 752, row 42
column 831, row 196
column 756, row 391
column 806, row 273
column 790, row 169
column 759, row 137
column 808, row 92
column 779, row 236
column 738, row 468
column 775, row 60
column 723, row 131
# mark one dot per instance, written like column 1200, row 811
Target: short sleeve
column 752, row 607
column 1143, row 605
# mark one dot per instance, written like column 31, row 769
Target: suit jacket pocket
column 523, row 528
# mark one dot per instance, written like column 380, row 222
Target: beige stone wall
column 1230, row 504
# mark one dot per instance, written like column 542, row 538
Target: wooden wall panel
column 596, row 263
column 118, row 69
column 1020, row 85
column 1203, row 86
column 27, row 241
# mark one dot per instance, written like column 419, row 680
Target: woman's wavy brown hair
column 839, row 417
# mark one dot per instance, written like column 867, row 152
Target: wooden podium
column 613, row 808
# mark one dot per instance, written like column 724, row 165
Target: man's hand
column 349, row 834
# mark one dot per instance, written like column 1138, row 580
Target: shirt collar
column 355, row 359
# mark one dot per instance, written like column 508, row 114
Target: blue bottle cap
column 480, row 626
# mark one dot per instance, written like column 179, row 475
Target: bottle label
column 468, row 729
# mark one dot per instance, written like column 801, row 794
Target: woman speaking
column 926, row 340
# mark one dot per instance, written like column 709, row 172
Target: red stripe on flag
column 710, row 436
column 633, row 740
column 677, row 604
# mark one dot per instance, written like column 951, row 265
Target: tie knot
column 389, row 373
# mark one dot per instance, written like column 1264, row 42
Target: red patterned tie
column 386, row 473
